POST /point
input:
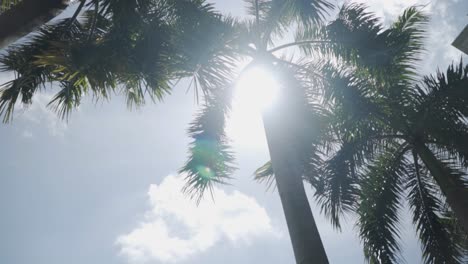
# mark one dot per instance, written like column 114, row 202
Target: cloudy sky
column 103, row 187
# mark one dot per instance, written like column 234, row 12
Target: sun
column 255, row 91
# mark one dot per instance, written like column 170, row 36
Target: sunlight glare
column 256, row 91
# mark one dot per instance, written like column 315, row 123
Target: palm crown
column 366, row 131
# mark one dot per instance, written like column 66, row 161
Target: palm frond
column 209, row 51
column 406, row 37
column 355, row 100
column 353, row 36
column 441, row 110
column 7, row 4
column 445, row 92
column 308, row 13
column 211, row 160
column 337, row 185
column 265, row 174
column 378, row 211
column 458, row 234
column 358, row 37
column 29, row 77
column 275, row 17
column 453, row 170
column 438, row 246
column 163, row 42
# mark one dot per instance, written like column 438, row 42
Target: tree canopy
column 372, row 131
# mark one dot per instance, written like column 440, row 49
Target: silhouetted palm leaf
column 210, row 160
column 378, row 210
column 437, row 241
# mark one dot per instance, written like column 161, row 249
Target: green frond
column 441, row 110
column 275, row 17
column 7, row 4
column 407, row 36
column 438, row 245
column 309, row 13
column 211, row 160
column 449, row 138
column 453, row 169
column 29, row 77
column 67, row 99
column 353, row 99
column 337, row 187
column 139, row 47
column 458, row 234
column 353, row 36
column 381, row 189
column 210, row 49
column 445, row 92
column 268, row 19
column 265, row 174
column 358, row 37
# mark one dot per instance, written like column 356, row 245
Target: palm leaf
column 378, row 211
column 337, row 185
column 7, row 4
column 357, row 36
column 437, row 243
column 265, row 174
column 210, row 161
column 274, row 17
column 407, row 36
column 29, row 76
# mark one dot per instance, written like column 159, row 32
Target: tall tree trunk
column 456, row 195
column 285, row 147
column 27, row 16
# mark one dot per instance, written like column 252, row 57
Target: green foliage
column 441, row 108
column 265, row 174
column 7, row 4
column 29, row 77
column 378, row 208
column 375, row 102
column 356, row 89
column 210, row 160
column 132, row 47
column 274, row 17
column 337, row 189
column 438, row 243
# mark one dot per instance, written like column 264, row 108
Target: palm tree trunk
column 288, row 170
column 27, row 16
column 456, row 195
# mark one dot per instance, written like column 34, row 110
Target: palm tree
column 421, row 155
column 395, row 136
column 210, row 155
column 141, row 47
column 390, row 135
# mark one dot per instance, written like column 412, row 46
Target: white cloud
column 390, row 9
column 442, row 30
column 175, row 228
column 39, row 113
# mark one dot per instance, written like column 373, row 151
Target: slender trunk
column 27, row 16
column 456, row 195
column 280, row 128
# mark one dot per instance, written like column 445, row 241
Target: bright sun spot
column 256, row 90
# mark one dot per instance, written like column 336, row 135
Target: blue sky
column 103, row 187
